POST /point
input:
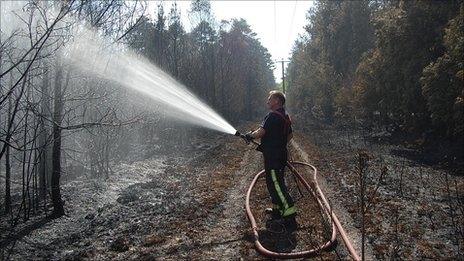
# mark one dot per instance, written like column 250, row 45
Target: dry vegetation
column 413, row 210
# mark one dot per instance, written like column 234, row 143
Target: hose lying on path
column 324, row 205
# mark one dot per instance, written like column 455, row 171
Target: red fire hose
column 324, row 205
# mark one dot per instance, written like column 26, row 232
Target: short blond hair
column 279, row 95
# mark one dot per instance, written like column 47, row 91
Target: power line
column 290, row 31
column 275, row 23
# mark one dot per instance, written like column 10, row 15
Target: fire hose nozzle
column 243, row 136
column 238, row 134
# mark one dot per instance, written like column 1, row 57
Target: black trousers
column 274, row 165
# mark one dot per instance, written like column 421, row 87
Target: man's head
column 275, row 100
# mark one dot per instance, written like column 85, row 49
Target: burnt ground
column 190, row 205
column 183, row 205
column 416, row 208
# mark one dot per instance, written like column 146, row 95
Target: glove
column 248, row 137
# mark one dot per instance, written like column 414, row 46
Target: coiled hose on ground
column 323, row 204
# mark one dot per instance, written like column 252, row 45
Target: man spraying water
column 275, row 132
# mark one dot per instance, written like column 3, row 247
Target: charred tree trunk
column 12, row 110
column 25, row 184
column 43, row 170
column 7, row 163
column 58, row 209
column 7, row 181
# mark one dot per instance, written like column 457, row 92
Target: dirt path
column 227, row 231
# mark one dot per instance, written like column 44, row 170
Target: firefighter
column 275, row 132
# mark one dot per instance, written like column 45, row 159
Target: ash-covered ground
column 416, row 207
column 165, row 206
column 186, row 204
column 189, row 204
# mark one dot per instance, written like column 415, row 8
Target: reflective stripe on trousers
column 286, row 210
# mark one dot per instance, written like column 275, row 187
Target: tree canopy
column 223, row 63
column 387, row 62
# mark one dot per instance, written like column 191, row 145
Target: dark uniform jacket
column 274, row 142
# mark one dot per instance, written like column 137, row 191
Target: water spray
column 95, row 55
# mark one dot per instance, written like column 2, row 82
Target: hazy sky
column 276, row 23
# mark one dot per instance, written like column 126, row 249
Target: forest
column 388, row 63
column 90, row 169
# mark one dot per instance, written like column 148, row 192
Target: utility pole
column 283, row 73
